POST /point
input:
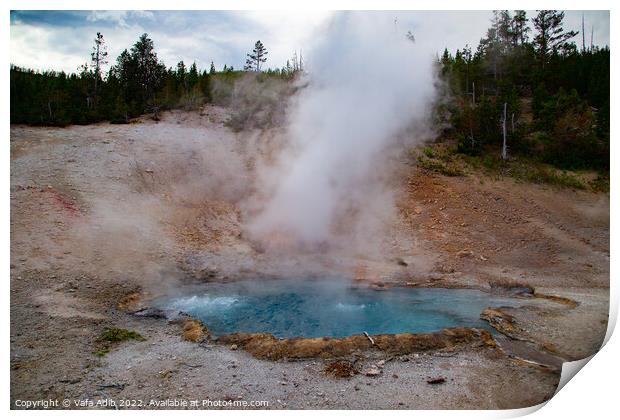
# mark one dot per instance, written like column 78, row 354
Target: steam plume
column 366, row 86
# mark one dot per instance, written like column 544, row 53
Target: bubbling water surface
column 331, row 307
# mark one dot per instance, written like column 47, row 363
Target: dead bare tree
column 504, row 146
column 583, row 34
column 473, row 97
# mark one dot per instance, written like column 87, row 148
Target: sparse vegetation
column 441, row 167
column 116, row 335
column 101, row 352
column 600, row 183
column 429, row 152
column 257, row 100
column 111, row 336
column 447, row 160
column 439, row 158
column 528, row 170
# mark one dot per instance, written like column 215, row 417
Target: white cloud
column 116, row 16
column 226, row 37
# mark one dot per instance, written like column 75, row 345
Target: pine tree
column 124, row 72
column 295, row 62
column 149, row 71
column 551, row 37
column 258, row 56
column 249, row 65
column 520, row 29
column 182, row 75
column 192, row 76
column 99, row 58
column 491, row 46
column 504, row 30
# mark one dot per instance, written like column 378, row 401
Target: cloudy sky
column 62, row 40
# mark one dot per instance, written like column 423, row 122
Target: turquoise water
column 312, row 308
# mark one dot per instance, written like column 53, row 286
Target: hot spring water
column 312, row 308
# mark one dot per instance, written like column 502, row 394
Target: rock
column 177, row 317
column 194, row 331
column 234, row 347
column 446, row 269
column 550, row 347
column 465, row 253
column 341, row 369
column 378, row 286
column 70, row 381
column 150, row 313
column 129, row 303
column 503, row 322
column 267, row 346
column 381, row 363
column 373, row 371
column 118, row 386
column 437, row 380
column 402, row 262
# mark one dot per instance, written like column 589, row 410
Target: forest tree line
column 137, row 83
column 555, row 93
column 530, row 88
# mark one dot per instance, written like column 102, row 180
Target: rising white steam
column 367, row 86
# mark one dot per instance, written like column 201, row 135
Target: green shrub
column 600, row 183
column 110, row 336
column 116, row 335
column 429, row 152
column 444, row 168
column 490, row 163
column 101, row 352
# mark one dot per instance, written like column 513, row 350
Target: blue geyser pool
column 316, row 308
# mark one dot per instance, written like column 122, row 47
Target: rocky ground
column 103, row 211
